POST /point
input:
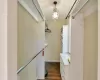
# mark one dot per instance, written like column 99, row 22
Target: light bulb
column 55, row 15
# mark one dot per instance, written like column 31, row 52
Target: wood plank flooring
column 53, row 71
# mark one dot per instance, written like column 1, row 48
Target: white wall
column 31, row 37
column 3, row 40
column 52, row 52
column 8, row 40
column 98, row 40
column 84, row 66
column 12, row 39
column 77, row 38
column 90, row 46
column 84, row 47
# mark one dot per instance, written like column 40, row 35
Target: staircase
column 53, row 71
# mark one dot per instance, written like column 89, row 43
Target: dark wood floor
column 53, row 71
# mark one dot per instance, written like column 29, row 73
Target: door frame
column 8, row 39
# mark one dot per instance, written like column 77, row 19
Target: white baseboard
column 52, row 61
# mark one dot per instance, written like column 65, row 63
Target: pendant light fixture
column 55, row 14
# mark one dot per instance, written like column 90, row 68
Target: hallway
column 60, row 36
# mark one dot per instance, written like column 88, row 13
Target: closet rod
column 71, row 9
column 80, row 9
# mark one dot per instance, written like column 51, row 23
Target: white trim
column 52, row 61
column 28, row 9
column 90, row 10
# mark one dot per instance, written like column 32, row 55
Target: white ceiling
column 86, row 7
column 63, row 7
